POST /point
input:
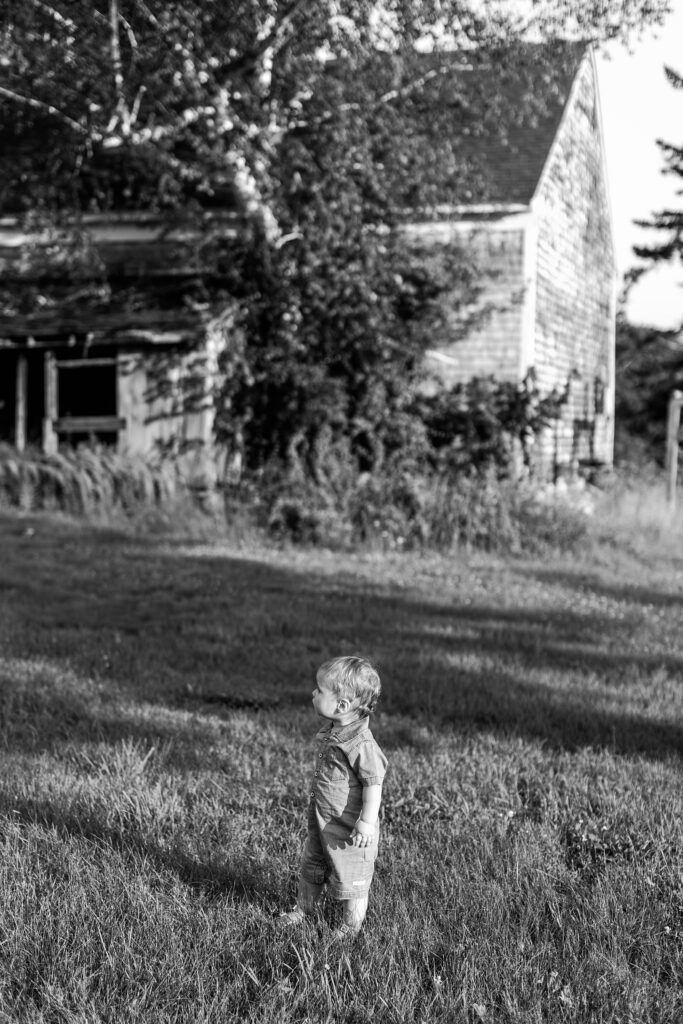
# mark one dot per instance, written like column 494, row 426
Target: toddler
column 345, row 795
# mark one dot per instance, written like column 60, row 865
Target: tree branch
column 272, row 42
column 388, row 97
column 46, row 108
column 122, row 113
column 55, row 15
column 155, row 23
column 417, row 83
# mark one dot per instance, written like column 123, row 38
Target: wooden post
column 122, row 440
column 51, row 405
column 20, row 403
column 673, row 425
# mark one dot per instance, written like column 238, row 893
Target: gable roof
column 498, row 119
column 478, row 138
column 513, row 157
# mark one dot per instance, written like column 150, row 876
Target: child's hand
column 363, row 834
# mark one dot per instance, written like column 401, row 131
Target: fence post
column 20, row 403
column 673, row 424
column 51, row 404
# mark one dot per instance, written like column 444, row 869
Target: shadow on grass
column 586, row 581
column 183, row 631
column 237, row 876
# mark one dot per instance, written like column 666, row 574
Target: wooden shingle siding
column 493, row 347
column 574, row 321
column 548, row 280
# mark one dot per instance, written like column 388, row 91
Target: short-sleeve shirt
column 347, row 758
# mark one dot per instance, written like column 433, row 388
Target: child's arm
column 364, row 831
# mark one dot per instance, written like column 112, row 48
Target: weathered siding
column 494, row 345
column 574, row 320
column 166, row 401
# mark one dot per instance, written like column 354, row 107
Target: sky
column 639, row 105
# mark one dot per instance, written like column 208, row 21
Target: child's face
column 325, row 701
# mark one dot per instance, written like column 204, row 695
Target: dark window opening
column 8, row 384
column 73, row 386
column 34, row 406
column 86, row 387
column 86, row 390
column 35, row 397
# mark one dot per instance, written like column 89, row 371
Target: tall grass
column 399, row 508
column 84, row 481
column 155, row 742
column 394, row 508
column 97, row 484
column 638, row 513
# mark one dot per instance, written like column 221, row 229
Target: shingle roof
column 514, row 158
column 494, row 123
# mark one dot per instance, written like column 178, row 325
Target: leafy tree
column 649, row 365
column 317, row 122
column 111, row 103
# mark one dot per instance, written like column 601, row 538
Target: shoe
column 292, row 918
column 346, row 932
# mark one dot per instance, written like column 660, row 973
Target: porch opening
column 22, row 397
column 54, row 395
column 86, row 393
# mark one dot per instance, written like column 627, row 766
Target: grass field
column 155, row 728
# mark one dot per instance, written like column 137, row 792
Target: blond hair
column 353, row 678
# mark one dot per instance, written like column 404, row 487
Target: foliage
column 487, row 422
column 399, row 508
column 333, row 331
column 123, row 104
column 649, row 366
column 451, row 469
column 396, row 507
column 316, row 124
column 669, row 222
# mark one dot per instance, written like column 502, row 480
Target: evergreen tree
column 649, row 365
column 668, row 221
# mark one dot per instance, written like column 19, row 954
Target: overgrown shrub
column 447, row 472
column 401, row 507
column 487, row 422
column 417, row 495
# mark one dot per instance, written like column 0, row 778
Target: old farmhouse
column 542, row 239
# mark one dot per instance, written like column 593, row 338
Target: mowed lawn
column 155, row 741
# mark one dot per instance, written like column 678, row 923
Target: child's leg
column 354, row 911
column 309, row 895
column 356, row 868
column 312, row 874
column 350, row 880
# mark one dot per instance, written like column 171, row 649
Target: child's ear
column 344, row 704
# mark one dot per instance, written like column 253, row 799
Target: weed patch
column 591, row 845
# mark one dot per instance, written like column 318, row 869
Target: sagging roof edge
column 588, row 58
column 603, row 158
